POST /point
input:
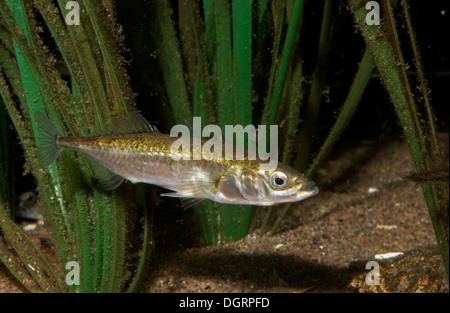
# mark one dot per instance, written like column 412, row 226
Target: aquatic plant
column 76, row 75
column 230, row 62
column 242, row 64
column 383, row 42
column 227, row 69
column 219, row 56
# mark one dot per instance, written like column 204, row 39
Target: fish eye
column 278, row 180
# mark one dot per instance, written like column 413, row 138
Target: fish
column 27, row 209
column 134, row 150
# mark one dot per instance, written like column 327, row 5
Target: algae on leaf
column 90, row 225
column 383, row 42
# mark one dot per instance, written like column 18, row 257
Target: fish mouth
column 310, row 185
column 309, row 189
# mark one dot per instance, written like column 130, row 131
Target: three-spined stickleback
column 138, row 152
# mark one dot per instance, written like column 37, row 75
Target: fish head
column 260, row 187
column 286, row 184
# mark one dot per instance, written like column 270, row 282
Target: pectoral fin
column 194, row 188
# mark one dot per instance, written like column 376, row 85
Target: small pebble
column 278, row 246
column 387, row 227
column 386, row 256
column 29, row 227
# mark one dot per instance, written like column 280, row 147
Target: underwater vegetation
column 84, row 63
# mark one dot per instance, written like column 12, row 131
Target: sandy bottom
column 364, row 208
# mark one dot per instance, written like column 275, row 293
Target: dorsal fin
column 133, row 123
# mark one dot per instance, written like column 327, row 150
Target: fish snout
column 308, row 186
column 308, row 189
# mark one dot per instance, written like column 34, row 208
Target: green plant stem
column 293, row 111
column 7, row 191
column 387, row 55
column 118, row 90
column 32, row 258
column 278, row 84
column 203, row 89
column 171, row 65
column 348, row 109
column 224, row 63
column 242, row 60
column 33, row 84
column 87, row 60
column 421, row 77
column 79, row 86
column 89, row 224
column 147, row 240
column 271, row 108
column 315, row 95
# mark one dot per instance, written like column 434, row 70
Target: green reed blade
column 421, row 77
column 47, row 193
column 387, row 55
column 224, row 62
column 348, row 109
column 87, row 59
column 198, row 68
column 31, row 257
column 147, row 238
column 95, row 229
column 273, row 102
column 242, row 61
column 33, row 83
column 61, row 36
column 115, row 74
column 315, row 95
column 7, row 190
column 171, row 65
column 234, row 94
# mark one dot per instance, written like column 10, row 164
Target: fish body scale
column 142, row 157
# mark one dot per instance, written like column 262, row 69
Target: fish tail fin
column 48, row 149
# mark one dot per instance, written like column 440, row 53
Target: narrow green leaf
column 387, row 56
column 271, row 108
column 242, row 60
column 315, row 95
column 31, row 257
column 171, row 64
column 224, row 63
column 348, row 109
